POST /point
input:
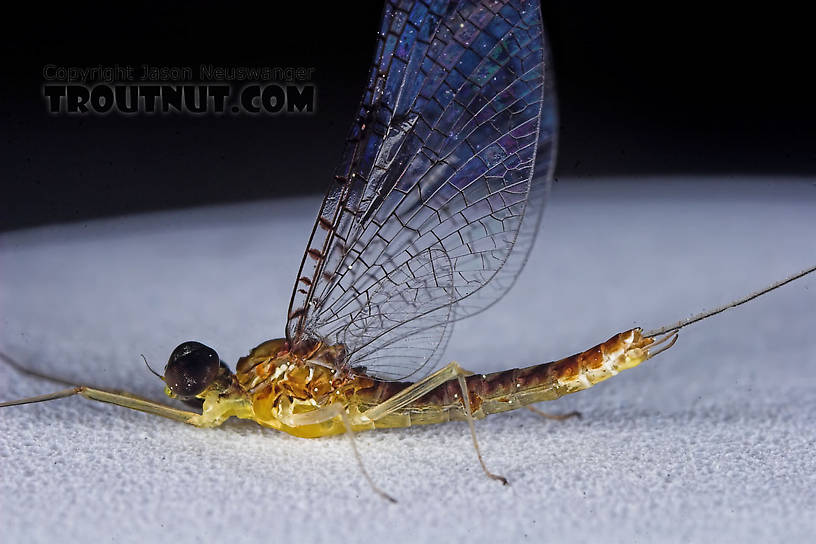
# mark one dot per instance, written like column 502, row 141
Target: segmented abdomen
column 512, row 389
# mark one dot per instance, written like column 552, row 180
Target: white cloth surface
column 715, row 440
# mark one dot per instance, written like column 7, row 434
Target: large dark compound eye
column 191, row 369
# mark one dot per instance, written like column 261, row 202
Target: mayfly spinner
column 428, row 220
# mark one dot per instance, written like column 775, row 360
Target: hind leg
column 450, row 372
column 555, row 417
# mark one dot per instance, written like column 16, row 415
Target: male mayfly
column 428, row 220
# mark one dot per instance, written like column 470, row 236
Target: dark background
column 668, row 88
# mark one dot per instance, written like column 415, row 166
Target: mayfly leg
column 125, row 400
column 119, row 398
column 358, row 457
column 10, row 361
column 327, row 413
column 554, row 417
column 460, row 377
column 422, row 387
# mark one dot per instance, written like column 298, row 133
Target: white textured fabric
column 712, row 441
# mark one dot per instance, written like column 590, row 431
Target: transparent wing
column 434, row 207
column 405, row 319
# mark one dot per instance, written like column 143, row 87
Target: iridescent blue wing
column 435, row 204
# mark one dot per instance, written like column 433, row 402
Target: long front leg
column 125, row 400
column 450, row 372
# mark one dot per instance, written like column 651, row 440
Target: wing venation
column 440, row 188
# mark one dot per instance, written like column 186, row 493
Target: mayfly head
column 191, row 370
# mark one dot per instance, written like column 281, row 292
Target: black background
column 663, row 88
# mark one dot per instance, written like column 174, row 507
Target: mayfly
column 428, row 220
